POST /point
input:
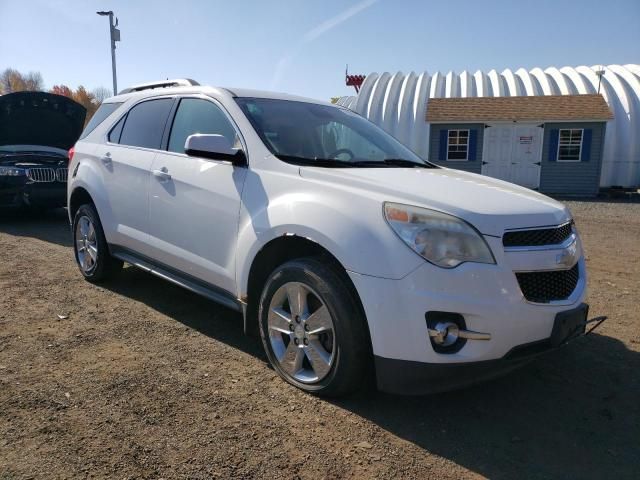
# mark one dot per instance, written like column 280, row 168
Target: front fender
column 350, row 226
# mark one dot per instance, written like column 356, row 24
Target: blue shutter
column 473, row 144
column 585, row 156
column 444, row 137
column 553, row 144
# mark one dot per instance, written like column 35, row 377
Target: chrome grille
column 41, row 175
column 61, row 174
column 538, row 237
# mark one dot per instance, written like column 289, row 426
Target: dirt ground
column 145, row 380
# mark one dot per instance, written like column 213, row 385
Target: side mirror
column 215, row 147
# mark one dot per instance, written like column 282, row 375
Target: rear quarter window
column 101, row 114
column 145, row 122
column 116, row 131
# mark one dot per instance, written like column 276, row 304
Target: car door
column 125, row 160
column 194, row 202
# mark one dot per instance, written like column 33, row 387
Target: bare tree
column 33, row 82
column 11, row 80
column 100, row 94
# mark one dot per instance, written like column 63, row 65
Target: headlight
column 11, row 172
column 444, row 240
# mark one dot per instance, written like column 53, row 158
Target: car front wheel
column 312, row 329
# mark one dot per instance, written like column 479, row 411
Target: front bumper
column 487, row 296
column 19, row 192
column 416, row 378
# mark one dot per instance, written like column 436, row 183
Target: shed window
column 458, row 145
column 570, row 145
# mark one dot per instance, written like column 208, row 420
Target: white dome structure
column 398, row 103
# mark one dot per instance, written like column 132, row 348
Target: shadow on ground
column 574, row 413
column 571, row 414
column 186, row 307
column 50, row 226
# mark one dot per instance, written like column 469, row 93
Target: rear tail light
column 72, row 151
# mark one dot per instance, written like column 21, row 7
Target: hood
column 490, row 205
column 39, row 118
column 26, row 156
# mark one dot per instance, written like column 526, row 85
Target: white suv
column 350, row 255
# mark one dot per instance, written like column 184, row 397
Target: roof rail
column 178, row 82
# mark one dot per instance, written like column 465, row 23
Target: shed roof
column 540, row 108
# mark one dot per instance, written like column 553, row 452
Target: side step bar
column 212, row 293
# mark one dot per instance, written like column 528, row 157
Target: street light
column 114, row 34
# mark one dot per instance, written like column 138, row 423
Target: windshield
column 322, row 135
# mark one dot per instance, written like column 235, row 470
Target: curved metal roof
column 398, row 103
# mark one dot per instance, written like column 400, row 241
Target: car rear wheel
column 312, row 329
column 90, row 246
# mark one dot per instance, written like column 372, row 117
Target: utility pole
column 114, row 35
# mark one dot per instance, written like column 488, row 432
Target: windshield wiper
column 401, row 162
column 317, row 162
column 391, row 162
column 336, row 163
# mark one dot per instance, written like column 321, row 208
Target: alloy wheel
column 86, row 244
column 301, row 333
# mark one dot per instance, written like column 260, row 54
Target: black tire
column 105, row 266
column 352, row 359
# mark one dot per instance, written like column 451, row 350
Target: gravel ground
column 141, row 379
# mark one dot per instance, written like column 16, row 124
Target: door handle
column 106, row 160
column 163, row 174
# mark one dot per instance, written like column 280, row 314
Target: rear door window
column 145, row 123
column 196, row 115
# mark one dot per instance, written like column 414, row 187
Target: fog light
column 444, row 333
column 448, row 332
column 443, row 328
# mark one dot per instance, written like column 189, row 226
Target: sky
column 303, row 46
